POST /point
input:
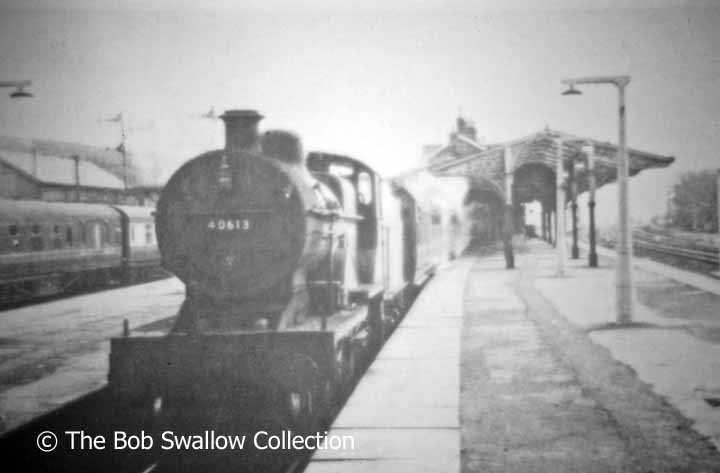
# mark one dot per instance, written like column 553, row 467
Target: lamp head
column 20, row 93
column 572, row 91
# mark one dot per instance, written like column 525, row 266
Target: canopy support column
column 575, row 251
column 560, row 208
column 592, row 256
column 509, row 214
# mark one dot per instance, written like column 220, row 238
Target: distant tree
column 694, row 202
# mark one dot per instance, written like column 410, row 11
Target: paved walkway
column 522, row 408
column 538, row 395
column 404, row 413
column 504, row 377
column 679, row 356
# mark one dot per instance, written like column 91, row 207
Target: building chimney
column 241, row 130
column 466, row 128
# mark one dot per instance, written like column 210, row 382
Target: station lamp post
column 624, row 279
column 19, row 85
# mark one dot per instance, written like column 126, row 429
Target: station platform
column 496, row 370
column 56, row 351
column 404, row 413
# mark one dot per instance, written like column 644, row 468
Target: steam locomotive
column 296, row 267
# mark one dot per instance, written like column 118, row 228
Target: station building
column 32, row 169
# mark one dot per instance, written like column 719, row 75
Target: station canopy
column 533, row 162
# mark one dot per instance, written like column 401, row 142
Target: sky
column 375, row 80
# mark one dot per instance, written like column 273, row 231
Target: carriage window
column 365, row 188
column 14, row 233
column 36, row 241
column 97, row 236
column 118, row 235
column 56, row 237
column 69, row 236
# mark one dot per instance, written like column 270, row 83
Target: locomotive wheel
column 297, row 394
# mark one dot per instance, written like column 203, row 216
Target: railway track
column 676, row 248
column 101, row 414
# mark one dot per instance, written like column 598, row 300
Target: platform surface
column 56, row 351
column 504, row 371
column 404, row 413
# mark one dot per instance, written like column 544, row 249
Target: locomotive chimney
column 241, row 130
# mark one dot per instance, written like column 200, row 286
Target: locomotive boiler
column 295, row 269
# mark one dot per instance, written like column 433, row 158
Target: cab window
column 365, row 188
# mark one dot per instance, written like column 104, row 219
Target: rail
column 673, row 246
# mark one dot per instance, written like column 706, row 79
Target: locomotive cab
column 363, row 199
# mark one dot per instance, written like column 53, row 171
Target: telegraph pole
column 119, row 118
column 123, row 150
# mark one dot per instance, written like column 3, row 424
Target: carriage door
column 97, row 236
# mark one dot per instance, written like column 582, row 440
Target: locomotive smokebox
column 243, row 226
column 241, row 130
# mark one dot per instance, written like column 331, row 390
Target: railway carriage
column 49, row 248
column 46, row 248
column 140, row 254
